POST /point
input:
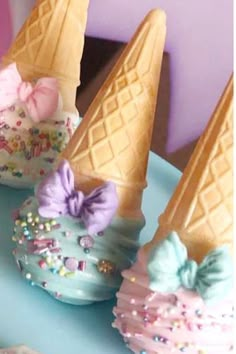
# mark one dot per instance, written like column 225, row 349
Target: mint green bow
column 169, row 268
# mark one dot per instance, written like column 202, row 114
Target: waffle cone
column 201, row 207
column 50, row 43
column 113, row 140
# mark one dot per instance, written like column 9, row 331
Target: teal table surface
column 28, row 315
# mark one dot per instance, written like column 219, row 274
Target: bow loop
column 57, row 196
column 40, row 100
column 169, row 269
column 215, row 274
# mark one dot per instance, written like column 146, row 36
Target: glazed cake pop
column 82, row 227
column 38, row 82
column 177, row 297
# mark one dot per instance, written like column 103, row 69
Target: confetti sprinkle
column 106, row 267
column 71, row 264
column 86, row 241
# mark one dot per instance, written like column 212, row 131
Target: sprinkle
column 62, row 271
column 41, row 227
column 57, row 294
column 17, row 222
column 132, row 301
column 28, row 276
column 133, row 279
column 106, row 267
column 171, row 310
column 53, row 270
column 71, row 263
column 48, row 226
column 32, row 283
column 49, row 260
column 143, row 351
column 53, row 222
column 100, row 233
column 198, row 313
column 44, row 284
column 23, row 224
column 67, row 234
column 134, row 313
column 156, row 338
column 86, row 241
column 70, row 275
column 138, row 334
column 42, row 264
column 82, row 266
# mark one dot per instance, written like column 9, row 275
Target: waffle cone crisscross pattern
column 201, row 206
column 113, row 140
column 51, row 42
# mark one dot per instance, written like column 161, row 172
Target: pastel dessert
column 81, row 229
column 178, row 296
column 38, row 82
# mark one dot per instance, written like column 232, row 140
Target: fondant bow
column 57, row 196
column 169, row 268
column 41, row 100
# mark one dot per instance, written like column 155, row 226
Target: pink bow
column 41, row 100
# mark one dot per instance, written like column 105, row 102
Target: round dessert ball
column 58, row 254
column 162, row 323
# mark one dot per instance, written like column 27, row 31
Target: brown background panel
column 98, row 59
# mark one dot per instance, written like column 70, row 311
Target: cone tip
column 156, row 15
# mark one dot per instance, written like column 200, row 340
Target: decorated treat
column 82, row 227
column 178, row 296
column 38, row 82
column 21, row 349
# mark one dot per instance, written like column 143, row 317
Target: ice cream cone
column 50, row 43
column 200, row 209
column 113, row 140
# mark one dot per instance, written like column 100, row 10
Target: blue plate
column 29, row 315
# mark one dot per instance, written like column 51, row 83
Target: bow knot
column 75, row 202
column 188, row 274
column 169, row 269
column 41, row 100
column 57, row 196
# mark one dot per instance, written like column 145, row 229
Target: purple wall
column 5, row 26
column 200, row 42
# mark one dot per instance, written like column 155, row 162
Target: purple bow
column 57, row 196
